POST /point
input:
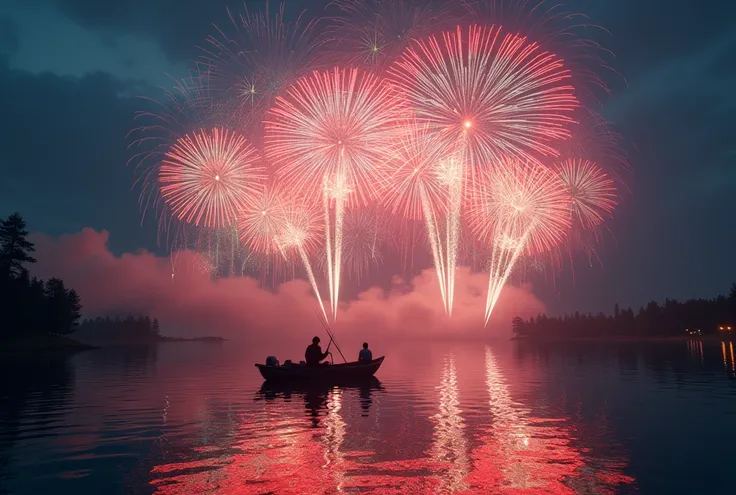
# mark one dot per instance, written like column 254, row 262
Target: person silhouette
column 365, row 355
column 313, row 355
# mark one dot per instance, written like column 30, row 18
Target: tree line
column 140, row 329
column 29, row 306
column 673, row 318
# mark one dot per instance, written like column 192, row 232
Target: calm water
column 465, row 418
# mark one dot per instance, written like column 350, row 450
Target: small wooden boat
column 333, row 373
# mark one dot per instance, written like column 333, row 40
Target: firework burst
column 487, row 94
column 592, row 191
column 261, row 221
column 188, row 105
column 518, row 208
column 207, row 176
column 261, row 55
column 327, row 136
column 374, row 33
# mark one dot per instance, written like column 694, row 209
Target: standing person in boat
column 313, row 355
column 365, row 355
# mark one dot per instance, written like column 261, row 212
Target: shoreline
column 44, row 343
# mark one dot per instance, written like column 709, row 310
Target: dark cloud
column 63, row 156
column 8, row 37
column 179, row 25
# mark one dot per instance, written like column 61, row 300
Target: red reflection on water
column 282, row 450
column 450, row 445
column 280, row 456
column 526, row 455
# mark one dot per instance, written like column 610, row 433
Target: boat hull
column 331, row 373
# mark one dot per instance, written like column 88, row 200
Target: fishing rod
column 332, row 337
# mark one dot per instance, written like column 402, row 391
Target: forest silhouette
column 692, row 318
column 31, row 307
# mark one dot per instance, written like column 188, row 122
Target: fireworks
column 487, row 94
column 363, row 236
column 374, row 33
column 262, row 220
column 327, row 136
column 207, row 176
column 332, row 127
column 263, row 54
column 592, row 191
column 467, row 138
column 518, row 208
column 300, row 233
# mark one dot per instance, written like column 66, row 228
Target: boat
column 331, row 373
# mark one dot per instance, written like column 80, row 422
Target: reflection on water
column 459, row 418
column 450, row 445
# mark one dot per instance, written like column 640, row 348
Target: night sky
column 71, row 72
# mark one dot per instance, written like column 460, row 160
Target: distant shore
column 629, row 338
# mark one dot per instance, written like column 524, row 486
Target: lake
column 450, row 417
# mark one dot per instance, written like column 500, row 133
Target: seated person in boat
column 365, row 355
column 314, row 354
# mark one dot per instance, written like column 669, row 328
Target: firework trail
column 363, row 237
column 423, row 184
column 299, row 233
column 259, row 55
column 518, row 208
column 327, row 135
column 485, row 95
column 207, row 176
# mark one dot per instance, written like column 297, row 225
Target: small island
column 141, row 330
column 674, row 320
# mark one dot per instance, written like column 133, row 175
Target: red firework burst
column 207, row 177
column 592, row 191
column 487, row 94
column 520, row 206
column 333, row 129
column 262, row 220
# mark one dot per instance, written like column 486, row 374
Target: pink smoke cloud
column 190, row 304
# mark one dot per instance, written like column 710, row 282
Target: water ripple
column 476, row 419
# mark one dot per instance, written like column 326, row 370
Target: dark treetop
column 30, row 308
column 673, row 319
